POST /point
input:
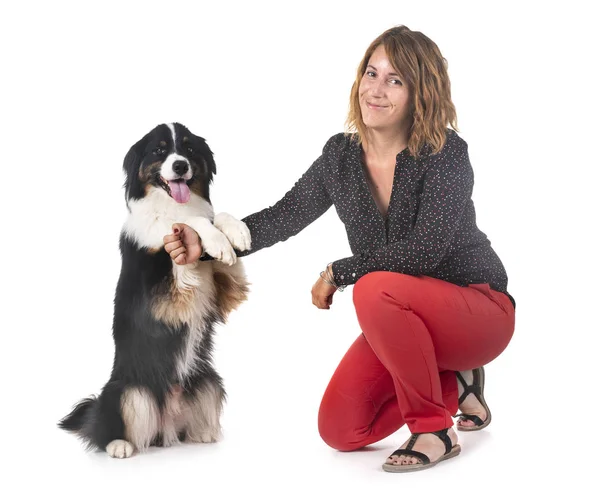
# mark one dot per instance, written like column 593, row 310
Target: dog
column 164, row 388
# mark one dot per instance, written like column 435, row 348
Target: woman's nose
column 377, row 88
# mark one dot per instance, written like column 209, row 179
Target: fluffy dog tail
column 76, row 420
column 96, row 420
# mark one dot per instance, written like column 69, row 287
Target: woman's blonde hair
column 422, row 67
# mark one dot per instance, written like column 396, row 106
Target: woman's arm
column 446, row 190
column 306, row 201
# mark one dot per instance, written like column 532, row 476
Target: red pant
column 400, row 370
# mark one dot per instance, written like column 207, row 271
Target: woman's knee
column 333, row 432
column 332, row 422
column 367, row 290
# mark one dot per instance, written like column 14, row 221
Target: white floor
column 275, row 370
column 283, row 458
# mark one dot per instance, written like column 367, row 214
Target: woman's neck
column 384, row 146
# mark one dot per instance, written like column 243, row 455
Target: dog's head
column 172, row 159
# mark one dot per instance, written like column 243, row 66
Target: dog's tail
column 96, row 420
column 76, row 420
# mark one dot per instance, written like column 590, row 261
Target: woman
column 429, row 291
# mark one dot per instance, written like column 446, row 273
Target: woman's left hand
column 322, row 292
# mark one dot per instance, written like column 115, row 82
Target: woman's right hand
column 183, row 245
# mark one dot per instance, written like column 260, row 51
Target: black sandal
column 477, row 390
column 426, row 462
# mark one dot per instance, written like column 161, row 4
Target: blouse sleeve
column 306, row 201
column 447, row 188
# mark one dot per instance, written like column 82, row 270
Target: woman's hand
column 322, row 292
column 183, row 245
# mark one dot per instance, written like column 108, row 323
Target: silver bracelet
column 325, row 276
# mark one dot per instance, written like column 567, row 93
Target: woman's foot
column 427, row 443
column 470, row 405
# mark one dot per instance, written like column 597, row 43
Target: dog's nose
column 180, row 167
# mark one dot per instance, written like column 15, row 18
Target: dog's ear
column 134, row 155
column 131, row 163
column 207, row 154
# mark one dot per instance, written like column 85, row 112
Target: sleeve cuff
column 347, row 271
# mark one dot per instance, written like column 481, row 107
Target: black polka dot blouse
column 429, row 228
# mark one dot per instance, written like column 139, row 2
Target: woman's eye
column 370, row 73
column 397, row 82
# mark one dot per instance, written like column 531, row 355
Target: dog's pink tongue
column 179, row 190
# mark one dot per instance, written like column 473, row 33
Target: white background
column 267, row 85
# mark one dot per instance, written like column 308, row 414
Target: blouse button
column 354, row 274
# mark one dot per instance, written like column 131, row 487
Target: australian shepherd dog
column 164, row 388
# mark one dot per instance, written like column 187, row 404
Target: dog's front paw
column 219, row 247
column 121, row 449
column 235, row 230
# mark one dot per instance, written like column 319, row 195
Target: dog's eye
column 190, row 150
column 159, row 151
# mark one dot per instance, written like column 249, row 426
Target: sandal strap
column 413, row 453
column 471, row 389
column 470, row 417
column 474, row 388
column 411, row 442
column 461, row 379
column 443, row 436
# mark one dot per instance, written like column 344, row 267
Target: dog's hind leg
column 142, row 420
column 204, row 413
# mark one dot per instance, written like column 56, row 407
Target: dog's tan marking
column 196, row 188
column 146, row 173
column 230, row 293
column 174, row 308
column 178, row 304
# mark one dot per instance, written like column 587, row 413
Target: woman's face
column 383, row 95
